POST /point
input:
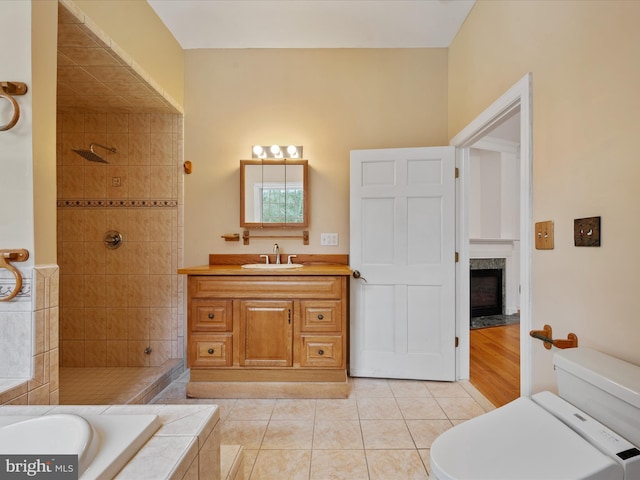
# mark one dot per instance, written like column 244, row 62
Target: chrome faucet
column 276, row 250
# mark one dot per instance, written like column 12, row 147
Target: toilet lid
column 516, row 442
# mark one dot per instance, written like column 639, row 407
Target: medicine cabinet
column 274, row 193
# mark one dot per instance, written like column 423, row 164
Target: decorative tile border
column 117, row 203
column 8, row 284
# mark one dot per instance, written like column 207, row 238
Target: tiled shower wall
column 120, row 307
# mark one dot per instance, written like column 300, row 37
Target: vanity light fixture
column 276, row 151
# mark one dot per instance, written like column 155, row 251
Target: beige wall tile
column 95, row 178
column 139, row 148
column 139, row 181
column 160, row 149
column 117, row 323
column 39, row 396
column 138, row 322
column 95, row 123
column 117, row 123
column 95, row 325
column 139, row 253
column 161, row 178
column 116, row 353
column 139, row 123
column 95, row 291
column 73, row 353
column 95, row 353
column 135, row 353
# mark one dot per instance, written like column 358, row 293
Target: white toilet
column 590, row 431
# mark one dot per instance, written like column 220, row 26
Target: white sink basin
column 272, row 266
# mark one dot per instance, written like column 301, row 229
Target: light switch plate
column 329, row 239
column 586, row 232
column 544, row 235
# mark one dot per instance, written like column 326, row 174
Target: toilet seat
column 518, row 441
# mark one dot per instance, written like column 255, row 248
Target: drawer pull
column 320, row 316
column 211, row 315
column 210, row 351
column 320, row 352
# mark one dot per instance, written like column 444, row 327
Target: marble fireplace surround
column 502, row 254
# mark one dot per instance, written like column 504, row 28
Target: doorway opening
column 494, row 215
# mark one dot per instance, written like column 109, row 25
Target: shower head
column 93, row 156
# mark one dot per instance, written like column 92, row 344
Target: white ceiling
column 313, row 23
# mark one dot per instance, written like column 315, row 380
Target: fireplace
column 486, row 292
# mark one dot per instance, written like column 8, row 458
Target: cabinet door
column 266, row 333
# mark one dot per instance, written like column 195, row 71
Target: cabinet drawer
column 321, row 316
column 211, row 315
column 321, row 351
column 265, row 286
column 210, row 350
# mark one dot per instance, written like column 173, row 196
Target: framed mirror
column 274, row 193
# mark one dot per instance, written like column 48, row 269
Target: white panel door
column 403, row 247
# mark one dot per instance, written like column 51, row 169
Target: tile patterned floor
column 382, row 431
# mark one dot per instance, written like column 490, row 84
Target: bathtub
column 104, row 444
column 185, row 447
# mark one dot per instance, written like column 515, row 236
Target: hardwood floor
column 495, row 363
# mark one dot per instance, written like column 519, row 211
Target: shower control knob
column 210, row 351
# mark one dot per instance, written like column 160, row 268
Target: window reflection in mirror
column 273, row 193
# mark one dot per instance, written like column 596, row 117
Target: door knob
column 210, row 351
column 357, row 275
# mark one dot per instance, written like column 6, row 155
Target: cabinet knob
column 320, row 352
column 210, row 351
column 211, row 315
column 320, row 316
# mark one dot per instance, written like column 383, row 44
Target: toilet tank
column 605, row 387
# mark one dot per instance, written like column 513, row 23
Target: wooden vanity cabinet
column 267, row 327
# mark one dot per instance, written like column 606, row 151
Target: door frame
column 518, row 97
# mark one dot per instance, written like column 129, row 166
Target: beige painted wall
column 136, row 28
column 329, row 101
column 586, row 110
column 44, row 18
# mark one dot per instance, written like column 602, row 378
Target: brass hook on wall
column 6, row 257
column 7, row 90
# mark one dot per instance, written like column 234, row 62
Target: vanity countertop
column 231, row 264
column 319, row 269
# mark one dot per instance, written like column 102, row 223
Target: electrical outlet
column 329, row 239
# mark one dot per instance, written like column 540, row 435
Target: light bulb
column 258, row 150
column 275, row 149
column 292, row 150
